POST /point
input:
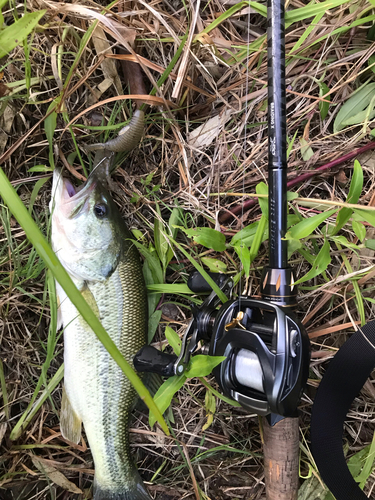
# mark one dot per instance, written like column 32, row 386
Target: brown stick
column 281, row 444
column 297, row 180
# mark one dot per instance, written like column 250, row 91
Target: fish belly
column 98, row 391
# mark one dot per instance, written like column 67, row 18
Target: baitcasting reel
column 266, row 350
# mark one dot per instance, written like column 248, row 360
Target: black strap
column 343, row 380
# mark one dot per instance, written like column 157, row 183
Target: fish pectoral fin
column 70, row 423
column 90, row 299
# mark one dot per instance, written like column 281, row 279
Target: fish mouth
column 74, row 200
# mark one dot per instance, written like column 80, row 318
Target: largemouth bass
column 93, row 244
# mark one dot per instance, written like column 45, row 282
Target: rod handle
column 281, row 456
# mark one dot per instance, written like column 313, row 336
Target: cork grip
column 281, row 444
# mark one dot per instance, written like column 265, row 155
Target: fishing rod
column 266, row 349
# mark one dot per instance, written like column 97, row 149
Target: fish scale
column 97, row 392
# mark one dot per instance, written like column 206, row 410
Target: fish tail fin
column 124, row 495
column 128, row 490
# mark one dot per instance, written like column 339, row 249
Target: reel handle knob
column 151, row 360
column 198, row 284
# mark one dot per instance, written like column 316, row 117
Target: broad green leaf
column 291, row 195
column 214, row 265
column 306, row 150
column 320, row 264
column 153, row 322
column 367, row 215
column 138, row 235
column 293, row 219
column 246, row 235
column 371, row 59
column 312, row 489
column 50, row 127
column 209, row 238
column 307, row 226
column 324, row 106
column 258, row 238
column 152, row 298
column 152, row 260
column 359, row 229
column 355, row 190
column 344, row 242
column 202, row 365
column 148, row 179
column 210, row 406
column 358, row 463
column 262, row 188
column 17, row 32
column 244, row 255
column 370, row 244
column 368, row 466
column 210, row 402
column 40, row 168
column 293, row 246
column 356, row 184
column 354, row 110
column 221, row 295
column 355, row 463
column 2, row 3
column 38, row 185
column 291, row 143
column 174, row 220
column 161, row 242
column 307, row 255
column 165, row 393
column 173, row 340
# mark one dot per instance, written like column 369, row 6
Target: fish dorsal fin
column 70, row 423
column 90, row 299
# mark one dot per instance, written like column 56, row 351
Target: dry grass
column 214, row 77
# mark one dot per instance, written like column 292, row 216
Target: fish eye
column 101, row 210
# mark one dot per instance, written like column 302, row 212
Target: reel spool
column 266, row 349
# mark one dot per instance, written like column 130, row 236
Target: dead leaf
column 3, row 429
column 108, row 65
column 341, row 178
column 54, row 475
column 205, row 134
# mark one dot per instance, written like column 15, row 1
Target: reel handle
column 198, row 284
column 151, row 360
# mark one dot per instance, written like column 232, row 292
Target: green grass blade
column 46, row 253
column 205, row 275
column 307, row 32
column 4, row 391
column 296, row 15
column 29, row 414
